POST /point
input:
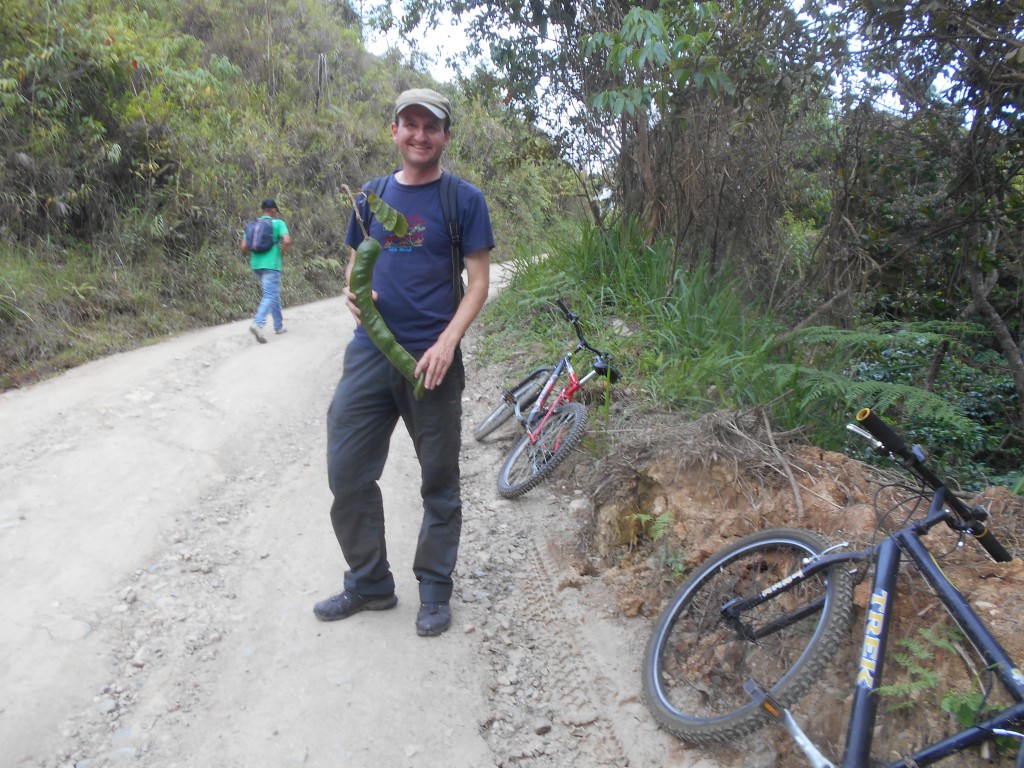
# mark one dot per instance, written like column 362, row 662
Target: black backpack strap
column 450, row 209
column 377, row 185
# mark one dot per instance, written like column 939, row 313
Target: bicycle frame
column 755, row 687
column 541, row 411
column 888, row 555
column 543, row 404
column 876, row 634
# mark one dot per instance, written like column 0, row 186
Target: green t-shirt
column 270, row 259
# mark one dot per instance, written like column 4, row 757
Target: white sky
column 436, row 45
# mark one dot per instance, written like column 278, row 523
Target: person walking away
column 416, row 294
column 267, row 265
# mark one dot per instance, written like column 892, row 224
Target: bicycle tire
column 530, row 463
column 695, row 666
column 525, row 392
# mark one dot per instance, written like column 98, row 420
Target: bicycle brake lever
column 875, row 442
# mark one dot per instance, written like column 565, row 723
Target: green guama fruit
column 360, row 283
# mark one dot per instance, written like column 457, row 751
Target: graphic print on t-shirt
column 414, row 237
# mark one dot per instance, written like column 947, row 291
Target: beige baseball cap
column 430, row 100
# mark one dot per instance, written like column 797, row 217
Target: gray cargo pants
column 367, row 404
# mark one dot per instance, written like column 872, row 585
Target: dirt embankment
column 725, row 476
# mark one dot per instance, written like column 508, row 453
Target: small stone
column 631, row 606
column 581, row 717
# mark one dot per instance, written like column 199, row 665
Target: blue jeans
column 368, row 403
column 270, row 282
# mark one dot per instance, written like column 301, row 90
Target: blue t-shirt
column 413, row 274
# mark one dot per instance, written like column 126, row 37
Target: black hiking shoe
column 343, row 605
column 433, row 619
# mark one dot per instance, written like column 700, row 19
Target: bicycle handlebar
column 566, row 313
column 991, row 544
column 894, row 444
column 573, row 318
column 883, row 433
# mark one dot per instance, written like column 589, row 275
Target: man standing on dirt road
column 413, row 288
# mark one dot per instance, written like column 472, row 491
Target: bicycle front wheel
column 525, row 392
column 697, row 661
column 530, row 463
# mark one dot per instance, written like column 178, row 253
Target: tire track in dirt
column 545, row 709
column 565, row 688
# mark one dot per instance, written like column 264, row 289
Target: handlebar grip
column 895, row 444
column 993, row 546
column 565, row 310
column 882, row 432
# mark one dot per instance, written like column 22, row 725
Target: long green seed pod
column 360, row 283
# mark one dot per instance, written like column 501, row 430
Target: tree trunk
column 1002, row 334
column 936, row 366
column 643, row 154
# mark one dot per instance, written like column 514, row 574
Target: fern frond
column 814, row 386
column 884, row 335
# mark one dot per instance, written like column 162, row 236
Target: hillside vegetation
column 139, row 136
column 802, row 208
column 798, row 212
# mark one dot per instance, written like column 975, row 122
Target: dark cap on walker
column 268, row 203
column 430, row 100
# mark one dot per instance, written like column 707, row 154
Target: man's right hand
column 350, row 302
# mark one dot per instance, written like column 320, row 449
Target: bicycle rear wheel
column 697, row 663
column 525, row 392
column 530, row 463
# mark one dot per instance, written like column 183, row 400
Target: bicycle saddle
column 606, row 370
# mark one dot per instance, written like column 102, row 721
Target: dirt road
column 164, row 534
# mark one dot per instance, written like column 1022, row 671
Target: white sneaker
column 280, row 330
column 256, row 331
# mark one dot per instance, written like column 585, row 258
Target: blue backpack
column 259, row 235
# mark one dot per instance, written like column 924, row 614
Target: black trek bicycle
column 752, row 628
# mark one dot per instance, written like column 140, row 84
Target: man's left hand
column 435, row 363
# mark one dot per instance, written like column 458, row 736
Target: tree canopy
column 139, row 136
column 850, row 158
